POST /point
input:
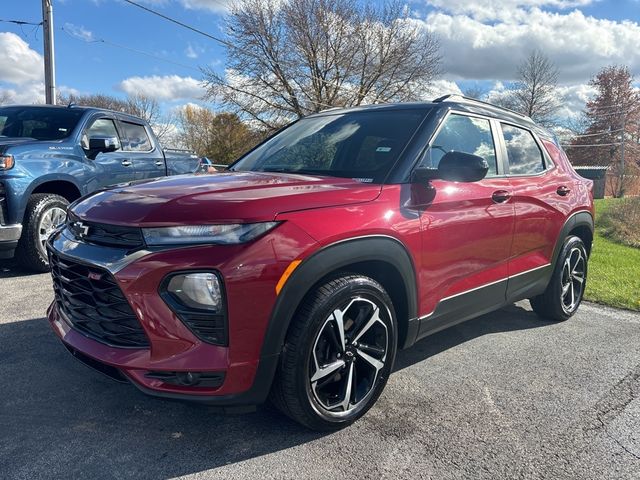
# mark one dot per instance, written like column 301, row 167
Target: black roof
column 454, row 102
column 82, row 108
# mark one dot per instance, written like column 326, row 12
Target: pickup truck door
column 145, row 153
column 109, row 168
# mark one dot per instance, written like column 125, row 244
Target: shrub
column 621, row 222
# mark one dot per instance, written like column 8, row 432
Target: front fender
column 329, row 259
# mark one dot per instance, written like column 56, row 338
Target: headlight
column 6, row 162
column 230, row 234
column 197, row 290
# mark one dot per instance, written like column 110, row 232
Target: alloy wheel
column 573, row 280
column 50, row 220
column 348, row 354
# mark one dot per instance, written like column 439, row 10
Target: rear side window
column 463, row 134
column 138, row 140
column 523, row 153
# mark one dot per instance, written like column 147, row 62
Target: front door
column 112, row 167
column 467, row 230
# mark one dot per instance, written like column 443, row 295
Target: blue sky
column 482, row 41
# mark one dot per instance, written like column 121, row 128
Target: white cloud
column 168, row 87
column 501, row 9
column 18, row 62
column 213, row 5
column 439, row 88
column 78, row 31
column 579, row 45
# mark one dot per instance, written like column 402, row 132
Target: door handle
column 159, row 163
column 500, row 196
column 127, row 163
column 563, row 191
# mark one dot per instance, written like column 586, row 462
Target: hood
column 230, row 197
column 11, row 141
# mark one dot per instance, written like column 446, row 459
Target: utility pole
column 49, row 60
column 624, row 131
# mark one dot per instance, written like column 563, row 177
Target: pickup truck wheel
column 564, row 293
column 338, row 354
column 45, row 212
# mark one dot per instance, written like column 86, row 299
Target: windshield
column 41, row 123
column 361, row 145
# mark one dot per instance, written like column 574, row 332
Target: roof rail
column 461, row 98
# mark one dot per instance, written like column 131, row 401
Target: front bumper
column 9, row 236
column 247, row 371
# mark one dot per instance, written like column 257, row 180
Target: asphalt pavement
column 504, row 396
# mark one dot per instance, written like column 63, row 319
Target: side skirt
column 474, row 303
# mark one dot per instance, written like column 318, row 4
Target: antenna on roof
column 71, row 104
column 462, row 99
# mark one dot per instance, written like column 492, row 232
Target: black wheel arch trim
column 333, row 257
column 582, row 218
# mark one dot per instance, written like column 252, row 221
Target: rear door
column 112, row 167
column 467, row 229
column 541, row 206
column 146, row 156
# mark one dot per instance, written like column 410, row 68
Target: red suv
column 297, row 273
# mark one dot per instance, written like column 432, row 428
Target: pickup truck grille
column 104, row 234
column 4, row 214
column 90, row 299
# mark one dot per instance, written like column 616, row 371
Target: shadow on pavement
column 59, row 419
column 10, row 269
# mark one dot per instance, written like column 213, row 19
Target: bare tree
column 288, row 59
column 140, row 105
column 535, row 93
column 5, row 97
column 475, row 91
column 221, row 137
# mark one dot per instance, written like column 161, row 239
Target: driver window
column 463, row 134
column 101, row 127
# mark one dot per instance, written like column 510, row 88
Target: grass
column 614, row 269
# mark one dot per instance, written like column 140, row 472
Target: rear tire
column 565, row 291
column 44, row 212
column 338, row 354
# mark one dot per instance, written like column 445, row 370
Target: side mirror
column 455, row 167
column 104, row 144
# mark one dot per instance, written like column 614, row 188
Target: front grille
column 104, row 234
column 90, row 299
column 4, row 214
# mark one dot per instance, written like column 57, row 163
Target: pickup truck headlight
column 6, row 162
column 230, row 234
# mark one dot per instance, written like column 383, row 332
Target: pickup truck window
column 101, row 127
column 138, row 140
column 41, row 123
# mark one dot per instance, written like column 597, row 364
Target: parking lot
column 504, row 396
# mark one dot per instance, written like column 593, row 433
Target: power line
column 229, row 45
column 603, row 132
column 125, row 47
column 592, row 145
column 20, row 22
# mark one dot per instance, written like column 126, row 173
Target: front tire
column 565, row 291
column 338, row 354
column 45, row 211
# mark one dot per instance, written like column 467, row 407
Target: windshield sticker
column 383, row 149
